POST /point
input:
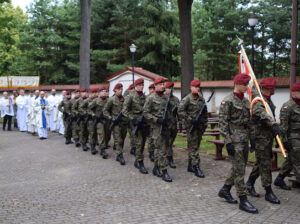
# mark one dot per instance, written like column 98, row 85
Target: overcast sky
column 21, row 3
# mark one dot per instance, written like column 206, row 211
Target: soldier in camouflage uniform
column 107, row 122
column 130, row 125
column 75, row 127
column 65, row 107
column 112, row 109
column 290, row 132
column 174, row 102
column 133, row 110
column 265, row 130
column 149, row 141
column 154, row 112
column 90, row 116
column 235, row 127
column 188, row 109
column 82, row 113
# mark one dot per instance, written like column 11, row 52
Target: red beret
column 69, row 92
column 169, row 84
column 241, row 78
column 295, row 87
column 83, row 90
column 195, row 83
column 268, row 83
column 93, row 90
column 131, row 86
column 102, row 88
column 76, row 90
column 117, row 86
column 139, row 81
column 151, row 86
column 159, row 80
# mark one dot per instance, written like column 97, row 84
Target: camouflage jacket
column 133, row 105
column 290, row 121
column 83, row 106
column 154, row 107
column 189, row 108
column 113, row 107
column 262, row 121
column 75, row 104
column 174, row 102
column 65, row 106
column 96, row 106
column 234, row 115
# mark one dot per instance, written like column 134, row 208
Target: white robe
column 5, row 110
column 53, row 104
column 31, row 116
column 39, row 118
column 22, row 103
column 59, row 120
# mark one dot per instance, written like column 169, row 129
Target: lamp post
column 132, row 50
column 252, row 21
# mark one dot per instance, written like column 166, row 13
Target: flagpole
column 259, row 92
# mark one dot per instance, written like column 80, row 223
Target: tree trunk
column 85, row 39
column 186, row 51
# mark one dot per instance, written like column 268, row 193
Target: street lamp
column 252, row 21
column 132, row 50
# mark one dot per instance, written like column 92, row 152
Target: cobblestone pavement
column 50, row 182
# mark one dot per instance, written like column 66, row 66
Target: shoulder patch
column 223, row 102
column 285, row 107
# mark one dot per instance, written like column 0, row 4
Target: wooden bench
column 213, row 124
column 219, row 146
column 216, row 134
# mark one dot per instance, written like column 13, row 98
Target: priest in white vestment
column 22, row 105
column 53, row 101
column 7, row 110
column 41, row 108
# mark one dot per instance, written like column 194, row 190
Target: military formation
column 152, row 122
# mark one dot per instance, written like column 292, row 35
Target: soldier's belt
column 234, row 126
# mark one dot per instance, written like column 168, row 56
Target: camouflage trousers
column 101, row 133
column 92, row 132
column 119, row 134
column 84, row 134
column 75, row 130
column 193, row 143
column 292, row 161
column 107, row 132
column 68, row 129
column 140, row 141
column 131, row 134
column 150, row 141
column 262, row 165
column 237, row 172
column 160, row 142
column 173, row 134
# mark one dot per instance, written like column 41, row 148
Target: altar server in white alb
column 7, row 110
column 59, row 119
column 22, row 106
column 42, row 109
column 31, row 116
column 53, row 101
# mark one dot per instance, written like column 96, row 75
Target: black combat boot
column 103, row 154
column 114, row 147
column 151, row 156
column 120, row 159
column 67, row 141
column 165, row 176
column 225, row 193
column 156, row 171
column 132, row 151
column 279, row 182
column 142, row 167
column 270, row 196
column 93, row 149
column 171, row 162
column 190, row 167
column 77, row 144
column 84, row 147
column 246, row 206
column 198, row 172
column 250, row 188
column 137, row 164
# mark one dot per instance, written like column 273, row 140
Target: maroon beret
column 295, row 87
column 69, row 92
column 159, row 80
column 117, row 86
column 169, row 84
column 268, row 83
column 241, row 79
column 195, row 83
column 131, row 86
column 76, row 90
column 83, row 90
column 139, row 81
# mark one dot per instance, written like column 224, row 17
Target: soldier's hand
column 252, row 146
column 287, row 146
column 230, row 149
column 135, row 122
column 275, row 129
